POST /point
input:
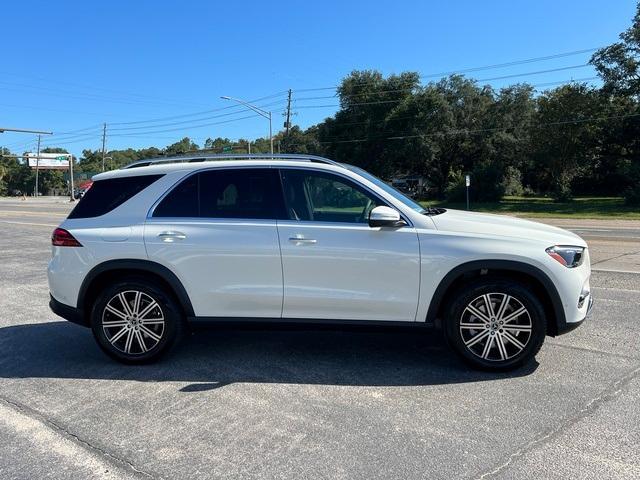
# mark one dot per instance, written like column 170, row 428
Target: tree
column 357, row 133
column 565, row 134
column 619, row 67
column 50, row 180
column 183, row 146
column 619, row 63
column 299, row 141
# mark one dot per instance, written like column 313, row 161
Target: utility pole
column 288, row 122
column 37, row 165
column 73, row 197
column 104, row 139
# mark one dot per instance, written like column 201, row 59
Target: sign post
column 467, row 182
column 73, row 197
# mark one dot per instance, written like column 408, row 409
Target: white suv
column 296, row 238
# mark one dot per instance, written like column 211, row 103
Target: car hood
column 504, row 226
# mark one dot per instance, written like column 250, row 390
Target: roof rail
column 232, row 156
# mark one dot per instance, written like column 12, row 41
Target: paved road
column 240, row 403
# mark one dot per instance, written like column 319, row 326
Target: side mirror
column 385, row 217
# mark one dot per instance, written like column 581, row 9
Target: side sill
column 253, row 321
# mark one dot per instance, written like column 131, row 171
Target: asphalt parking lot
column 341, row 403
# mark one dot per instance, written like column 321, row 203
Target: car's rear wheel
column 495, row 324
column 135, row 321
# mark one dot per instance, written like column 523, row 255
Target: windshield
column 388, row 188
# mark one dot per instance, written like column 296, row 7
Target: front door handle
column 300, row 240
column 171, row 236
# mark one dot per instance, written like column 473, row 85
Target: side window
column 106, row 195
column 323, row 197
column 252, row 193
column 182, row 201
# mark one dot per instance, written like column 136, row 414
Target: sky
column 154, row 71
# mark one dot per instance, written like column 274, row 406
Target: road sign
column 48, row 161
column 467, row 182
column 227, row 149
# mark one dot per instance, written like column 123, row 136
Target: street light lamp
column 259, row 111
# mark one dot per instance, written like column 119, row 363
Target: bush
column 512, row 182
column 562, row 193
column 455, row 190
column 487, row 184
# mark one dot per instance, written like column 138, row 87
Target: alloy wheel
column 133, row 322
column 495, row 327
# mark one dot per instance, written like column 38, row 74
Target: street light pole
column 259, row 111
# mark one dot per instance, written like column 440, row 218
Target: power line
column 190, row 127
column 534, row 73
column 516, row 62
column 482, row 130
column 93, row 87
column 195, row 114
column 398, row 90
column 183, row 122
column 476, row 69
column 333, row 105
column 75, row 95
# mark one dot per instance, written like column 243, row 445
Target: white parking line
column 29, row 223
column 614, row 270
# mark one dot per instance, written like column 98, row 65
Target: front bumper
column 567, row 327
column 67, row 312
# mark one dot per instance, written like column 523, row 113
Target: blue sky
column 69, row 66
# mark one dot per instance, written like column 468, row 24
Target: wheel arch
column 104, row 272
column 522, row 272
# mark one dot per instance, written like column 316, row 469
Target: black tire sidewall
column 516, row 290
column 171, row 312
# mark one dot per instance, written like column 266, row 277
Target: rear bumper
column 567, row 327
column 67, row 312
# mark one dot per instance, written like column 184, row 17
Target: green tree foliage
column 619, row 63
column 564, row 135
column 619, row 67
column 183, row 146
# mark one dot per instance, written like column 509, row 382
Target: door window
column 251, row 193
column 324, row 197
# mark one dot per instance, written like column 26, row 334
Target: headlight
column 570, row 257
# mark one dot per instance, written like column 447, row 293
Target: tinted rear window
column 235, row 193
column 105, row 195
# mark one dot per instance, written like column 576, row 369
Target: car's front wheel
column 135, row 321
column 495, row 324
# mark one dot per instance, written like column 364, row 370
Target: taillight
column 61, row 238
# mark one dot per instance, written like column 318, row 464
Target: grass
column 542, row 207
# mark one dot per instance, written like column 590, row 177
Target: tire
column 480, row 339
column 144, row 330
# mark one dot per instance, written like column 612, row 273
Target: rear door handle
column 300, row 240
column 171, row 236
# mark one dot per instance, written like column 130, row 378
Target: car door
column 335, row 265
column 216, row 230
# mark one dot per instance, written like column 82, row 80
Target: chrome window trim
column 279, row 168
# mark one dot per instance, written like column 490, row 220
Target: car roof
column 164, row 165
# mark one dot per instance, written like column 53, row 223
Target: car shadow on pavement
column 214, row 357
